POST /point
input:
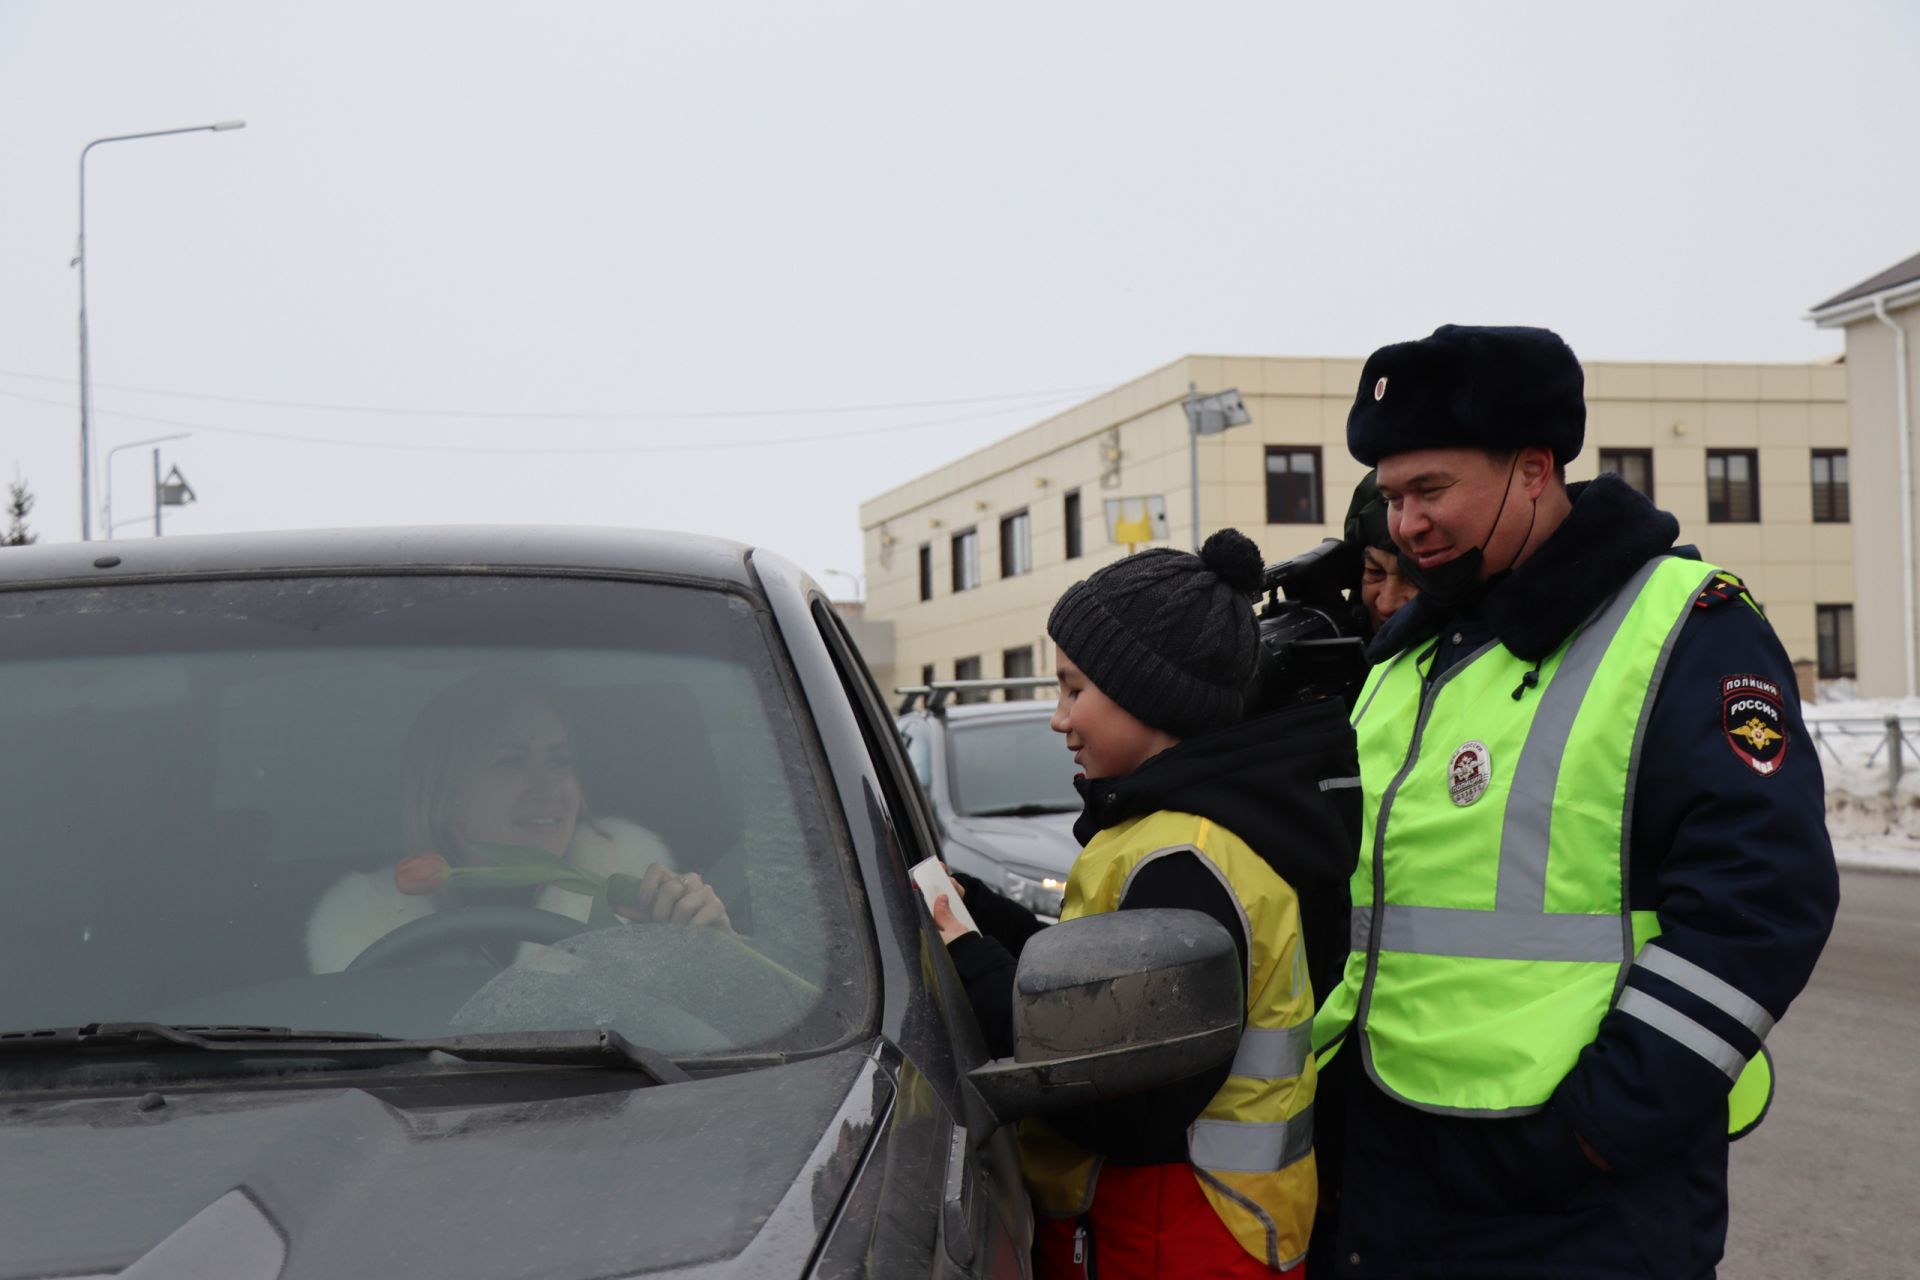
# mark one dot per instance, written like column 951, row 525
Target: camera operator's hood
column 1261, row 779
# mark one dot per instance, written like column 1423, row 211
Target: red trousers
column 1148, row 1222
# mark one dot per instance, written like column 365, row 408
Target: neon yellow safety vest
column 1252, row 1146
column 1491, row 926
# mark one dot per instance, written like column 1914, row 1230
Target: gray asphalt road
column 1829, row 1185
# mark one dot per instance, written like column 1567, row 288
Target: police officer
column 1594, row 865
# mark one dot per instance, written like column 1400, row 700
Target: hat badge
column 1380, row 389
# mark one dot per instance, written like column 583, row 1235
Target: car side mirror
column 1112, row 1004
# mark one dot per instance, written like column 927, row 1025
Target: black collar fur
column 1612, row 530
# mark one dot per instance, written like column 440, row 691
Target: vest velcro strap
column 1681, row 1029
column 1273, row 1053
column 1722, row 995
column 1234, row 1146
column 1493, row 935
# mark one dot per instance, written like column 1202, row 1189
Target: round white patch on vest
column 1469, row 772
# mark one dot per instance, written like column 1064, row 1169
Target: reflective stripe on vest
column 1240, row 1146
column 1273, row 1053
column 1475, row 981
column 1252, row 1145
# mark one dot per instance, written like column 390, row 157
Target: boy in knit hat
column 1189, row 803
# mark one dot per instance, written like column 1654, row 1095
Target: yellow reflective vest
column 1491, row 926
column 1252, row 1146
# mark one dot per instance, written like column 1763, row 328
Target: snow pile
column 1870, row 825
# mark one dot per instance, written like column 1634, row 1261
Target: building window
column 1832, row 503
column 1635, row 466
column 966, row 560
column 926, row 674
column 926, row 571
column 1017, row 664
column 1072, row 517
column 1733, row 486
column 968, row 669
column 1293, row 484
column 1833, row 638
column 1016, row 545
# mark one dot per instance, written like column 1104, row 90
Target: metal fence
column 1847, row 737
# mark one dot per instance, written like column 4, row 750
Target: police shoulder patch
column 1754, row 720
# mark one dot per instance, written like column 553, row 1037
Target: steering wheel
column 467, row 926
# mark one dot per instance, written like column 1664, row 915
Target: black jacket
column 1281, row 782
column 1738, row 866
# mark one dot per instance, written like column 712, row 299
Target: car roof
column 961, row 712
column 505, row 548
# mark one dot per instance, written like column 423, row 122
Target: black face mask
column 1453, row 583
column 1457, row 581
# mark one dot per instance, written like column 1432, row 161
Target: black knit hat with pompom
column 1167, row 634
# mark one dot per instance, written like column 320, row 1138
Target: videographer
column 1382, row 588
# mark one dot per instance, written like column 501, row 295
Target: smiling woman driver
column 490, row 761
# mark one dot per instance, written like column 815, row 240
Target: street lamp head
column 1210, row 415
column 224, row 125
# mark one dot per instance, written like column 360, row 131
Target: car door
column 986, row 1224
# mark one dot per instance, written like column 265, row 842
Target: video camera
column 1312, row 639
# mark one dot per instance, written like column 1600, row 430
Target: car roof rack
column 937, row 694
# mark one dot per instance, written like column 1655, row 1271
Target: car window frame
column 898, row 778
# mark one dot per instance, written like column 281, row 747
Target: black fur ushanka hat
column 1470, row 386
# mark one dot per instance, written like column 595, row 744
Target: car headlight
column 1040, row 894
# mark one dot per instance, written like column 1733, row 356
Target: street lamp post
column 107, row 467
column 859, row 583
column 80, row 261
column 1208, row 416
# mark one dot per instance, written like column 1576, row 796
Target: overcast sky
column 611, row 225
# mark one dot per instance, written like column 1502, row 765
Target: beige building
column 965, row 561
column 1881, row 317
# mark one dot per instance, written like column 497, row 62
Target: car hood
column 1044, row 842
column 477, row 1176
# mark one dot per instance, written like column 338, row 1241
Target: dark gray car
column 206, row 740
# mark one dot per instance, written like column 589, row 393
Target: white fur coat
column 363, row 906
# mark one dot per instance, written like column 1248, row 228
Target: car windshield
column 411, row 805
column 1014, row 766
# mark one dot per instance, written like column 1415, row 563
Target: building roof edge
column 1895, row 279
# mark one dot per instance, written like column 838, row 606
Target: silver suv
column 1001, row 786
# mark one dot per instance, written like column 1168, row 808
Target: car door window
column 914, row 823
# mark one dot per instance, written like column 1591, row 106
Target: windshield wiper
column 1024, row 810
column 119, row 1034
column 556, row 1048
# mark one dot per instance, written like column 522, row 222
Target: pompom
column 1235, row 560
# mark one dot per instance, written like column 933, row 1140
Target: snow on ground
column 1871, row 828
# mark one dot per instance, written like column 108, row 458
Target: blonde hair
column 447, row 735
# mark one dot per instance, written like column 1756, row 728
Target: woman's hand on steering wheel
column 677, row 897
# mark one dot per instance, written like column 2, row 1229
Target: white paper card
column 932, row 880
